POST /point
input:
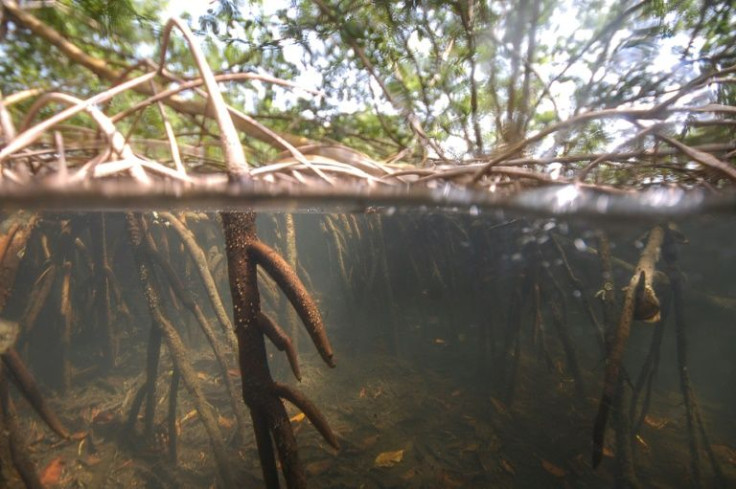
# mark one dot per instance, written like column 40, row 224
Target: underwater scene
column 367, row 245
column 470, row 350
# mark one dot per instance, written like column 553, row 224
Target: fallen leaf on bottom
column 51, row 474
column 316, row 468
column 656, row 423
column 225, row 423
column 389, row 459
column 368, row 442
column 91, row 460
column 297, row 418
column 190, row 415
column 553, row 469
column 233, row 372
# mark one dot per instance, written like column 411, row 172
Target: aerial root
column 309, row 409
column 198, row 256
column 265, row 447
column 261, row 393
column 640, row 283
column 171, row 422
column 179, row 354
column 12, row 430
column 289, row 282
column 24, row 380
column 280, row 340
column 696, row 431
column 186, row 298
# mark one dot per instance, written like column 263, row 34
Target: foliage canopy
column 598, row 89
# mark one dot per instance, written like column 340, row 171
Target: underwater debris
column 51, row 474
column 389, row 459
column 298, row 418
column 640, row 280
column 553, row 469
column 8, row 334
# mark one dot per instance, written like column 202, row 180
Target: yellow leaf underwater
column 189, row 416
column 297, row 418
column 389, row 459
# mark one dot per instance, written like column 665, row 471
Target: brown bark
column 179, row 354
column 39, row 295
column 200, row 260
column 692, row 410
column 103, row 307
column 15, row 233
column 291, row 258
column 260, row 393
column 290, row 284
column 281, row 341
column 66, row 328
column 173, row 396
column 153, row 355
column 27, row 384
column 11, row 428
column 639, row 289
column 185, row 298
column 310, row 410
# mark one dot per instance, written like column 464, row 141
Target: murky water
column 470, row 350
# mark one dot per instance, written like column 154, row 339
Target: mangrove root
column 261, row 394
column 178, row 352
column 639, row 298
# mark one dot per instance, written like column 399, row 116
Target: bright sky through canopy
column 565, row 22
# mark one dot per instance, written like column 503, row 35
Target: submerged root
column 638, row 282
column 11, row 428
column 186, row 298
column 309, row 409
column 178, row 353
column 24, row 380
column 290, row 284
column 203, row 268
column 260, row 392
column 281, row 341
column 697, row 434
